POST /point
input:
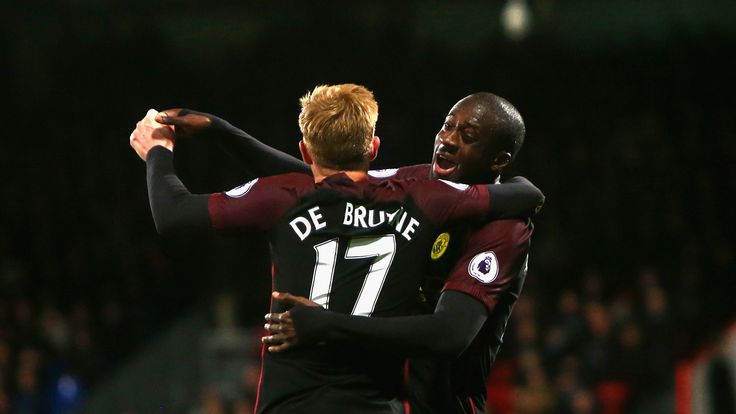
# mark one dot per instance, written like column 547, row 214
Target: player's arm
column 253, row 206
column 447, row 203
column 173, row 207
column 445, row 334
column 255, row 156
column 490, row 268
column 516, row 198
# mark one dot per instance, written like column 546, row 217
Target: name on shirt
column 356, row 216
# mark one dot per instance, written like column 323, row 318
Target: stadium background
column 629, row 107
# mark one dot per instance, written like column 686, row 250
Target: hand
column 148, row 133
column 184, row 121
column 281, row 326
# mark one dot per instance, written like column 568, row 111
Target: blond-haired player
column 350, row 242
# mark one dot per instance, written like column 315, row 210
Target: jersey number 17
column 380, row 248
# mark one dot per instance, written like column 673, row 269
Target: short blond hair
column 338, row 123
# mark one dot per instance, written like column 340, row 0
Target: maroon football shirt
column 489, row 263
column 354, row 247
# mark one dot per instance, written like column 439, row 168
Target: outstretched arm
column 173, row 207
column 255, row 156
column 446, row 333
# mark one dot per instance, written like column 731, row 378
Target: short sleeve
column 492, row 258
column 257, row 204
column 419, row 171
column 446, row 203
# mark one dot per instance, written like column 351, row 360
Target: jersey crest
column 440, row 246
column 484, row 267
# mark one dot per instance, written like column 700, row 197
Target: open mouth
column 444, row 166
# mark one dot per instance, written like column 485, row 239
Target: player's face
column 463, row 150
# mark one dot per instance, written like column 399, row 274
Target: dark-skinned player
column 300, row 212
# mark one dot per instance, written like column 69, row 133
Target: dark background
column 629, row 108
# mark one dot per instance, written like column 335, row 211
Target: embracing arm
column 255, row 156
column 464, row 204
column 515, row 198
column 446, row 333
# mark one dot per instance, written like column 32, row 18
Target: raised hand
column 148, row 133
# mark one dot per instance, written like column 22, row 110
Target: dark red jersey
column 354, row 247
column 489, row 263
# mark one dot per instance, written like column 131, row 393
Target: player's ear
column 305, row 152
column 374, row 147
column 501, row 161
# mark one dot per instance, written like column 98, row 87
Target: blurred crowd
column 631, row 258
column 589, row 350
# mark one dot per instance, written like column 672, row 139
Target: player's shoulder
column 402, row 181
column 419, row 187
column 431, row 190
column 420, row 171
column 289, row 180
column 295, row 181
column 504, row 231
column 294, row 178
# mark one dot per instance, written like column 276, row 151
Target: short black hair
column 508, row 126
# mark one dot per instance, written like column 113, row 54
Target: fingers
column 186, row 124
column 275, row 328
column 293, row 299
column 278, row 318
column 165, row 118
column 149, row 133
column 280, row 348
column 150, row 118
column 168, row 116
column 278, row 341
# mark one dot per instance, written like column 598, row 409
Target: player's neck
column 320, row 173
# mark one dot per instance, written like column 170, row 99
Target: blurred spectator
column 210, row 403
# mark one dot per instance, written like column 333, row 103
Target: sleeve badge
column 484, row 267
column 440, row 245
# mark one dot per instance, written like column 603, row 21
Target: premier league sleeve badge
column 484, row 267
